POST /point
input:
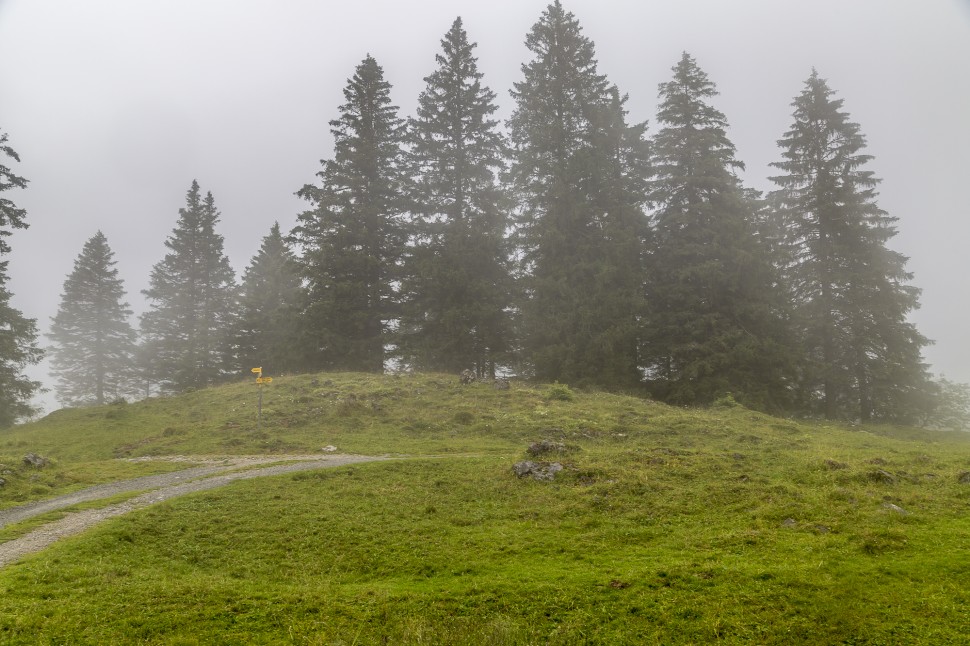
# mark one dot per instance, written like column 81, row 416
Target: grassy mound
column 665, row 526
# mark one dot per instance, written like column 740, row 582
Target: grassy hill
column 666, row 526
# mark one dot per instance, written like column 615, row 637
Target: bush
column 559, row 392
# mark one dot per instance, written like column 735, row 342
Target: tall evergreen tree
column 579, row 171
column 353, row 237
column 94, row 343
column 192, row 293
column 863, row 358
column 18, row 334
column 270, row 298
column 715, row 323
column 457, row 284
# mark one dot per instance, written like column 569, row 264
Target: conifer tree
column 192, row 294
column 457, row 284
column 18, row 334
column 579, row 170
column 715, row 323
column 862, row 356
column 353, row 237
column 94, row 343
column 270, row 299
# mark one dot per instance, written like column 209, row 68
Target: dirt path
column 162, row 487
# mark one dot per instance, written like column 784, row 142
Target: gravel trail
column 163, row 487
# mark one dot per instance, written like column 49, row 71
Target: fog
column 115, row 106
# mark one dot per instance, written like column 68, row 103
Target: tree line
column 568, row 246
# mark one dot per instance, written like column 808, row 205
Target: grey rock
column 544, row 471
column 466, row 377
column 788, row 522
column 964, row 477
column 501, row 384
column 896, row 508
column 879, row 475
column 36, row 461
column 835, row 465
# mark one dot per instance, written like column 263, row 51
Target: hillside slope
column 665, row 526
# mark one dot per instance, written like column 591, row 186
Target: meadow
column 666, row 525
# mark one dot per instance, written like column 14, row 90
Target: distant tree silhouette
column 18, row 334
column 192, row 297
column 715, row 323
column 270, row 297
column 850, row 292
column 94, row 343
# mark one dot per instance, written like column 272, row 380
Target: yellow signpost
column 260, row 380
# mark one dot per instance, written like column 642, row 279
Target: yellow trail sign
column 257, row 370
column 263, row 380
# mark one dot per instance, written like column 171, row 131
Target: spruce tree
column 715, row 322
column 192, row 294
column 94, row 343
column 353, row 238
column 457, row 284
column 18, row 334
column 579, row 170
column 851, row 292
column 270, row 298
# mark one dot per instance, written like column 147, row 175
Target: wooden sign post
column 260, row 380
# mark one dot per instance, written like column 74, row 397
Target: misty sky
column 116, row 105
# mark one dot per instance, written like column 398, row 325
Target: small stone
column 896, row 508
column 501, row 384
column 36, row 461
column 882, row 476
column 788, row 522
column 964, row 477
column 538, row 470
column 822, row 529
column 466, row 377
column 330, row 448
column 2, row 482
column 835, row 465
column 522, row 469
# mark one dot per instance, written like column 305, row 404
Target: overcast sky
column 115, row 106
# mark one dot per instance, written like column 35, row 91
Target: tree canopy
column 579, row 171
column 353, row 237
column 457, row 284
column 850, row 292
column 714, row 324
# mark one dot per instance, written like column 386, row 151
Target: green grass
column 668, row 526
